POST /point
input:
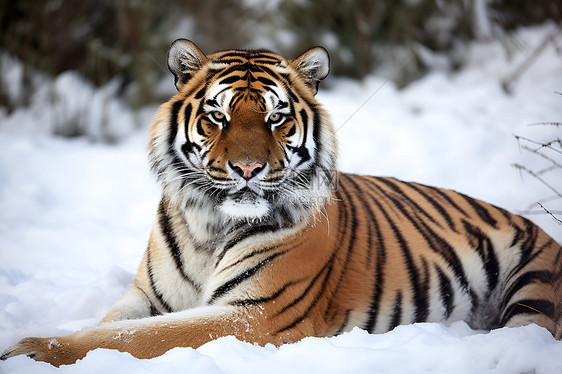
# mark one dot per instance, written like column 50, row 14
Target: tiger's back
column 431, row 254
column 258, row 236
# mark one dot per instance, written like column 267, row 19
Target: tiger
column 258, row 236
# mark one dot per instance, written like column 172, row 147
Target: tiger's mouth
column 244, row 195
column 245, row 203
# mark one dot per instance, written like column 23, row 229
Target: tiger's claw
column 49, row 350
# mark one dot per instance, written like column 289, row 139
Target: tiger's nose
column 246, row 170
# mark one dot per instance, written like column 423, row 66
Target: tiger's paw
column 55, row 351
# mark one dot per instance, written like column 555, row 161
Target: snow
column 57, row 108
column 75, row 218
column 407, row 349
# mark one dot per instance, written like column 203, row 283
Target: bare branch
column 555, row 164
column 542, row 145
column 543, row 201
column 557, row 124
column 535, row 175
column 551, row 213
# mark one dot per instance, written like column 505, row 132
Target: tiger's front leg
column 152, row 337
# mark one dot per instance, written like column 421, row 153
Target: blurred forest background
column 97, row 68
column 120, row 45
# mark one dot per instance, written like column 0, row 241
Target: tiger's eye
column 275, row 118
column 217, row 116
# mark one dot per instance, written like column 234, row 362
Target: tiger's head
column 245, row 138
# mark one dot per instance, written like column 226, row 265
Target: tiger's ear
column 184, row 59
column 314, row 65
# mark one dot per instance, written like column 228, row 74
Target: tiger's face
column 244, row 137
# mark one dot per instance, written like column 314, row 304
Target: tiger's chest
column 191, row 268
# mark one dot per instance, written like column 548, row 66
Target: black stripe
column 302, row 152
column 200, row 130
column 438, row 207
column 420, row 293
column 481, row 210
column 254, row 230
column 372, row 231
column 266, row 81
column 233, row 54
column 273, row 74
column 312, row 305
column 171, row 242
column 291, row 131
column 269, row 89
column 201, row 93
column 155, row 290
column 307, row 289
column 304, row 117
column 442, row 195
column 378, row 286
column 557, row 258
column 248, row 53
column 403, row 196
column 425, row 284
column 527, row 256
column 190, row 144
column 187, row 116
column 294, row 98
column 397, row 312
column 485, row 250
column 232, row 79
column 504, row 213
column 230, row 284
column 228, row 61
column 271, row 61
column 152, row 310
column 519, row 235
column 275, row 295
column 316, row 125
column 239, row 95
column 529, row 306
column 531, row 232
column 173, row 126
column 211, row 102
column 530, row 277
column 447, row 292
column 259, row 252
column 232, row 69
column 344, row 323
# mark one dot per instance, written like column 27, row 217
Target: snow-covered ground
column 75, row 218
